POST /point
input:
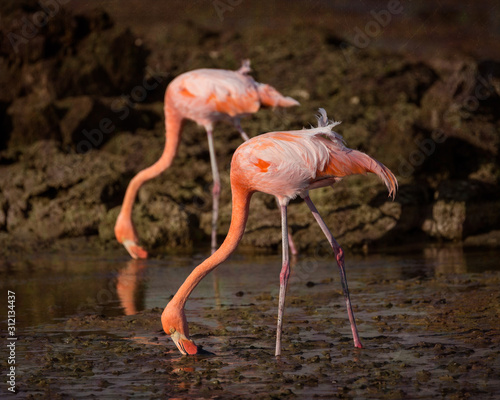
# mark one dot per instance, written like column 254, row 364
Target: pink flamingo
column 286, row 165
column 204, row 96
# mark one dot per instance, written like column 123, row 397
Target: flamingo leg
column 215, row 189
column 339, row 254
column 291, row 243
column 284, row 275
column 240, row 130
column 245, row 137
column 293, row 249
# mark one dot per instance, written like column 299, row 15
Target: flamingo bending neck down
column 286, row 165
column 204, row 96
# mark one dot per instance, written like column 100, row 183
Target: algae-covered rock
column 53, row 194
column 447, row 220
column 83, row 82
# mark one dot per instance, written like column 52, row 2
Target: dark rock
column 490, row 239
column 106, row 63
column 53, row 194
column 463, row 208
column 33, row 117
column 5, row 125
column 80, row 83
column 411, row 80
column 73, row 55
column 7, row 7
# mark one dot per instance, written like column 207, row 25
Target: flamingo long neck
column 241, row 203
column 173, row 124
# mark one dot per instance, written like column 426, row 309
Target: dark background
column 81, row 112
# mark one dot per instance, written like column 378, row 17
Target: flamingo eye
column 172, row 330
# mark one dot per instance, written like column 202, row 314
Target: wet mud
column 426, row 332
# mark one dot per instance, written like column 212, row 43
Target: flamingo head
column 270, row 97
column 125, row 234
column 175, row 324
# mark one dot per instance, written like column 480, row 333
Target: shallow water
column 53, row 287
column 66, row 302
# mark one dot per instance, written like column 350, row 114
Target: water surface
column 89, row 326
column 52, row 287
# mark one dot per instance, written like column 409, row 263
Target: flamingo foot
column 135, row 250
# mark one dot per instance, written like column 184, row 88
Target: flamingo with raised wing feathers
column 204, row 96
column 285, row 165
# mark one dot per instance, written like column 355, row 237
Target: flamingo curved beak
column 135, row 251
column 288, row 101
column 185, row 346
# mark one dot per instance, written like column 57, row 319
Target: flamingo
column 285, row 165
column 204, row 96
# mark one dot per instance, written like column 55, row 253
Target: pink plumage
column 204, row 96
column 209, row 95
column 285, row 165
column 288, row 164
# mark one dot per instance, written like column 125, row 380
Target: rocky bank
column 81, row 113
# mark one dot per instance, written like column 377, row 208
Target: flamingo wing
column 218, row 91
column 287, row 164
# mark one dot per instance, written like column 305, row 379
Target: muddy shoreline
column 423, row 336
